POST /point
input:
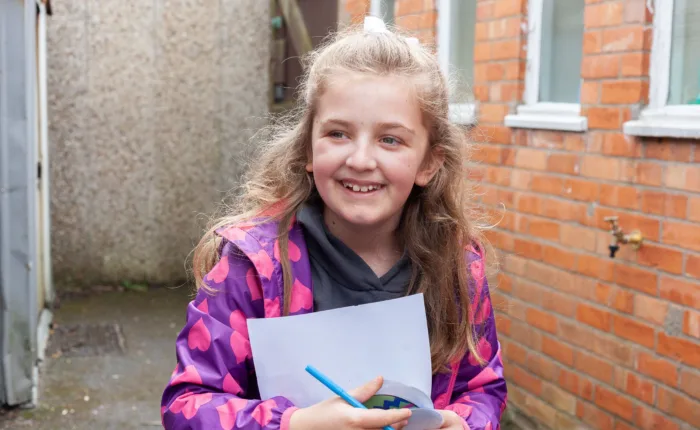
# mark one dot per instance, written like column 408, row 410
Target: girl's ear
column 310, row 166
column 430, row 167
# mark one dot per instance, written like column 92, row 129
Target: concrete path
column 113, row 390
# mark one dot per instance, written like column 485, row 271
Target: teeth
column 361, row 189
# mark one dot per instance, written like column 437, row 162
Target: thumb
column 365, row 392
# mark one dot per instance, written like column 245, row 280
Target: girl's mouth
column 361, row 188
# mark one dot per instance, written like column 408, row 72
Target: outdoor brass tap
column 634, row 238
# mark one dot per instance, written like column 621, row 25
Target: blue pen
column 337, row 390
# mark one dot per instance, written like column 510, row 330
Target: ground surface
column 114, row 378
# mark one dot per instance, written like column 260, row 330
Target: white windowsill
column 669, row 121
column 463, row 113
column 549, row 116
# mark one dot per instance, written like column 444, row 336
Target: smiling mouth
column 361, row 188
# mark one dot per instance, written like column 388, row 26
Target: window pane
column 462, row 23
column 562, row 50
column 684, row 86
column 387, row 11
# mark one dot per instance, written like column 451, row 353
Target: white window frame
column 659, row 119
column 536, row 114
column 460, row 113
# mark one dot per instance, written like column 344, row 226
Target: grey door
column 18, row 308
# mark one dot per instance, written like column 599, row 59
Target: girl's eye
column 337, row 134
column 390, row 140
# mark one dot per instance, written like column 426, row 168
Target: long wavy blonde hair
column 438, row 221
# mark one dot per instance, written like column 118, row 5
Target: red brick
column 595, row 166
column 590, row 92
column 563, row 163
column 527, row 381
column 600, row 66
column 638, row 387
column 635, row 64
column 623, row 39
column 422, row 21
column 632, row 330
column 574, row 142
column 534, row 159
column 503, row 324
column 661, row 203
column 507, row 50
column 508, row 8
column 491, row 112
column 484, row 11
column 692, row 266
column 515, row 353
column 594, row 366
column 593, row 416
column 595, row 267
column 542, row 320
column 594, row 317
column 498, row 176
column 694, row 206
column 657, row 368
column 621, row 425
column 603, row 15
column 623, row 197
column 637, row 12
column 542, row 367
column 557, row 350
column 558, row 398
column 690, row 383
column 691, row 324
column 650, row 309
column 546, row 184
column 682, row 350
column 615, row 403
column 558, row 257
column 680, row 291
column 592, row 42
column 620, row 145
column 527, row 249
column 600, row 344
column 606, row 118
column 482, row 52
column 574, row 236
column 669, row 151
column 624, row 92
column 545, row 229
column 648, row 419
column 637, row 279
column 648, row 173
column 581, row 189
column 623, row 301
column 559, row 303
column 526, row 335
column 679, row 406
column 565, row 210
column 683, row 177
column 666, row 259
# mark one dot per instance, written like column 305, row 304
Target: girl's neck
column 378, row 246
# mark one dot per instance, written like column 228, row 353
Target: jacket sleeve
column 480, row 393
column 213, row 385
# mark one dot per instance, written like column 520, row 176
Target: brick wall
column 589, row 341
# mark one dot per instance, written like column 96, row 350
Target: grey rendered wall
column 151, row 104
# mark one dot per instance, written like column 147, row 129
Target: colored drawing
column 385, row 401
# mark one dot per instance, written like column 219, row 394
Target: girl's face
column 369, row 148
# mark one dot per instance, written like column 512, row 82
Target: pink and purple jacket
column 213, row 385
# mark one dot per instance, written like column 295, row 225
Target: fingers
column 378, row 418
column 365, row 392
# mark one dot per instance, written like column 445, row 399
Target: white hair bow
column 373, row 24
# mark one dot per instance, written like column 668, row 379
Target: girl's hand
column 336, row 414
column 452, row 421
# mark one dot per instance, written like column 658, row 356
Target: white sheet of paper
column 350, row 345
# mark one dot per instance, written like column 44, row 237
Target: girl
column 361, row 199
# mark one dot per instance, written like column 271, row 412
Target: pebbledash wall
column 589, row 341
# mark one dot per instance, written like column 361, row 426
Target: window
column 383, row 9
column 456, row 30
column 674, row 74
column 553, row 76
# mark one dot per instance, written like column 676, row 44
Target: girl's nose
column 361, row 158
